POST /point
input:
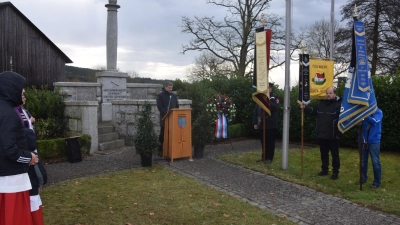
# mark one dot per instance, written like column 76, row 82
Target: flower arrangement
column 222, row 104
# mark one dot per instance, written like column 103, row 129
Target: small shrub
column 202, row 129
column 85, row 141
column 52, row 148
column 237, row 130
column 145, row 140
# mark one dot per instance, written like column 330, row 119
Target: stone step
column 108, row 137
column 115, row 150
column 105, row 129
column 111, row 144
column 104, row 123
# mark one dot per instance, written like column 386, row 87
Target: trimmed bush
column 237, row 130
column 51, row 148
column 47, row 107
column 54, row 150
column 202, row 129
column 145, row 139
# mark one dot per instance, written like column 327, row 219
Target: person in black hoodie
column 327, row 112
column 166, row 101
column 271, row 125
column 14, row 156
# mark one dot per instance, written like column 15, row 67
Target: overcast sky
column 149, row 33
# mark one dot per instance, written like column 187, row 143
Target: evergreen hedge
column 47, row 106
column 387, row 92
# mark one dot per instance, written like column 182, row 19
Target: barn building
column 33, row 55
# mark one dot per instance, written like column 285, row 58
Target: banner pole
column 360, row 153
column 302, row 141
column 302, row 119
column 264, row 138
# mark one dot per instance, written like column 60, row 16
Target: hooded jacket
column 14, row 156
column 372, row 128
column 327, row 113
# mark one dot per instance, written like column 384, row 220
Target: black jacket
column 165, row 102
column 14, row 156
column 327, row 113
column 271, row 121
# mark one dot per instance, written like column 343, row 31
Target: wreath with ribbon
column 222, row 104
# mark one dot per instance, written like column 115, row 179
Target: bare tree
column 382, row 26
column 208, row 66
column 133, row 74
column 317, row 38
column 231, row 40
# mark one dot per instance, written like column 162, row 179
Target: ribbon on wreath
column 221, row 126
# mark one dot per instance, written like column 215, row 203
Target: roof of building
column 5, row 4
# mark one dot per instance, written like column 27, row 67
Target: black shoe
column 334, row 176
column 323, row 173
column 358, row 182
column 374, row 186
column 260, row 160
column 268, row 161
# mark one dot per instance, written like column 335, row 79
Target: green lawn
column 386, row 198
column 146, row 196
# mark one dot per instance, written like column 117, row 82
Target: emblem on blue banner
column 181, row 122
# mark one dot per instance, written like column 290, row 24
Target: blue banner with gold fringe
column 359, row 97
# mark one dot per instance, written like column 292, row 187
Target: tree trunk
column 375, row 38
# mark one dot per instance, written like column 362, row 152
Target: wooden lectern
column 178, row 134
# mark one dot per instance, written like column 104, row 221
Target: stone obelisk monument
column 113, row 83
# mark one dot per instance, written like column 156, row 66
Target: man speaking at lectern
column 166, row 100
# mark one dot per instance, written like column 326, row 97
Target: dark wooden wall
column 34, row 56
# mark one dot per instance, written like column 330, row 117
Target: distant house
column 34, row 56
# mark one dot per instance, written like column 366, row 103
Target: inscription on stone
column 113, row 94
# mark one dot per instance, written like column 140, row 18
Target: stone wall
column 83, row 103
column 80, row 91
column 82, row 119
column 83, row 91
column 143, row 91
column 126, row 112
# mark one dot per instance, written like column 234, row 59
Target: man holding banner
column 271, row 126
column 262, row 88
column 327, row 113
column 359, row 100
column 371, row 140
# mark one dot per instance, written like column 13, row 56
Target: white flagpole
column 332, row 27
column 286, row 102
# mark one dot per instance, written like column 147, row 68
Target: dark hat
column 271, row 84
